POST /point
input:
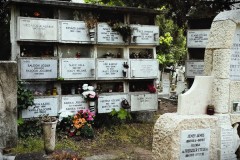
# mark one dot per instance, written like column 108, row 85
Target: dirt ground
column 114, row 149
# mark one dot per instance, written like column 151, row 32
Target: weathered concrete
column 167, row 130
column 222, row 92
column 196, row 99
column 8, row 104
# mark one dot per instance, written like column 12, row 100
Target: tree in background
column 172, row 47
column 172, row 22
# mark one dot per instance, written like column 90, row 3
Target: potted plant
column 123, row 29
column 49, row 132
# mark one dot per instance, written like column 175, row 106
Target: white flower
column 90, row 88
column 85, row 87
column 64, row 114
column 86, row 93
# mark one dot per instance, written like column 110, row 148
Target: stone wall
column 8, row 104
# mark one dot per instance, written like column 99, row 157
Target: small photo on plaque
column 236, row 107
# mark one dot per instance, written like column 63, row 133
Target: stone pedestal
column 167, row 139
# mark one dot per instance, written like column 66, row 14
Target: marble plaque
column 38, row 68
column 144, row 68
column 197, row 38
column 141, row 102
column 194, row 68
column 74, row 103
column 227, row 142
column 77, row 68
column 75, row 31
column 195, row 144
column 42, row 106
column 106, row 103
column 110, row 68
column 105, row 34
column 145, row 34
column 38, row 29
column 235, row 56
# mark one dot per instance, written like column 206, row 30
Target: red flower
column 151, row 88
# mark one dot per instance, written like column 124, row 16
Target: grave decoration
column 90, row 96
column 91, row 21
column 124, row 29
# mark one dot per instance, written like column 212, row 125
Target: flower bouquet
column 151, row 88
column 90, row 95
column 82, row 123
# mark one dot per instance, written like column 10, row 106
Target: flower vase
column 92, row 106
column 92, row 34
column 49, row 132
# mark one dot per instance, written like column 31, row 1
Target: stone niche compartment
column 143, row 68
column 110, row 52
column 141, row 19
column 36, row 50
column 103, row 87
column 141, row 53
column 42, row 106
column 140, row 85
column 77, row 68
column 37, row 12
column 111, row 69
column 37, row 29
column 38, row 68
column 73, row 103
column 74, row 87
column 108, row 102
column 143, row 101
column 40, row 88
column 75, row 51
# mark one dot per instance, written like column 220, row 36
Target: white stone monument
column 184, row 135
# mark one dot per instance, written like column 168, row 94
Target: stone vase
column 49, row 133
column 92, row 34
column 92, row 106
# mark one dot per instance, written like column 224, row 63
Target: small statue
column 76, row 15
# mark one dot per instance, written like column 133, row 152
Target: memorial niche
column 72, row 88
column 36, row 12
column 110, row 87
column 36, row 51
column 110, row 52
column 41, row 88
column 75, row 51
column 141, row 53
column 141, row 86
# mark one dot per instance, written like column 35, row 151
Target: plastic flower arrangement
column 151, row 88
column 88, row 93
column 82, row 123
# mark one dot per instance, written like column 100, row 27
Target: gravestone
column 8, row 104
column 176, row 134
column 165, row 83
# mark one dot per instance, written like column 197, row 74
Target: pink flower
column 91, row 96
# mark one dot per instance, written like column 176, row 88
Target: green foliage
column 87, row 131
column 172, row 42
column 28, row 145
column 25, row 97
column 123, row 29
column 29, row 127
column 122, row 114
